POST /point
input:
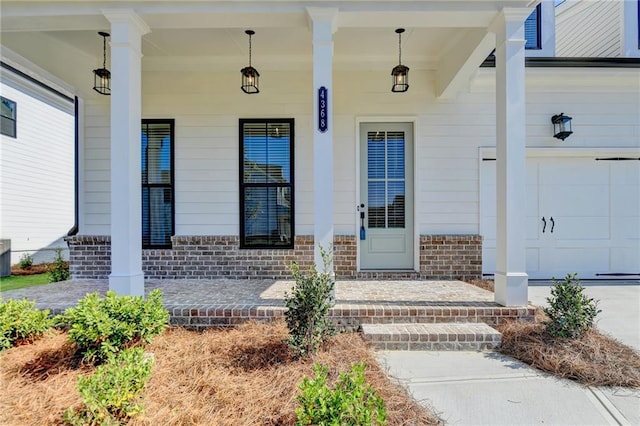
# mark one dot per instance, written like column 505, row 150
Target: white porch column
column 127, row 30
column 322, row 21
column 511, row 279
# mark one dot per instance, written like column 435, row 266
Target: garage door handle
column 553, row 223
column 544, row 224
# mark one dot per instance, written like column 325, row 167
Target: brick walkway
column 201, row 303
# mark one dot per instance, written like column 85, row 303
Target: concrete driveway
column 487, row 388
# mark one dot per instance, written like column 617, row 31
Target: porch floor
column 226, row 302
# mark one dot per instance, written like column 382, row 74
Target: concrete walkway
column 487, row 388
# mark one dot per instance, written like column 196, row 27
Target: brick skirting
column 441, row 257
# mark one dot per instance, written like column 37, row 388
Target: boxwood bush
column 307, row 308
column 112, row 394
column 352, row 401
column 20, row 321
column 571, row 312
column 101, row 327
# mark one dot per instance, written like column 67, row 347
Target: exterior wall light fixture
column 250, row 75
column 561, row 126
column 102, row 76
column 400, row 73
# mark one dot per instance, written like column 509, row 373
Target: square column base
column 130, row 285
column 511, row 289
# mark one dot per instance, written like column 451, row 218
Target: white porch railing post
column 322, row 21
column 127, row 30
column 511, row 279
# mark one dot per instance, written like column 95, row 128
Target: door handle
column 553, row 223
column 363, row 233
column 544, row 224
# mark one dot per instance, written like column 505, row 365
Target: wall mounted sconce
column 400, row 73
column 250, row 75
column 561, row 126
column 102, row 76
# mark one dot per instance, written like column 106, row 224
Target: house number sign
column 323, row 119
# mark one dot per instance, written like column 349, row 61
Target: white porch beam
column 461, row 61
column 511, row 279
column 323, row 24
column 127, row 30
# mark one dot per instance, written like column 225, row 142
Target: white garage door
column 583, row 216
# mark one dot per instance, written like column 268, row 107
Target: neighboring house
column 458, row 176
column 603, row 29
column 37, row 165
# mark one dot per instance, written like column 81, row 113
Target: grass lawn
column 14, row 282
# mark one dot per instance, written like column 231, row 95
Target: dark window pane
column 375, row 154
column 266, row 148
column 395, row 155
column 157, row 216
column 377, row 204
column 267, row 216
column 267, row 153
column 395, row 198
column 156, row 153
column 8, row 117
column 157, row 183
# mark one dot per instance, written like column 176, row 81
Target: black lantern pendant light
column 561, row 126
column 400, row 73
column 102, row 76
column 250, row 75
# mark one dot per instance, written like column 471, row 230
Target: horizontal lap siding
column 96, row 168
column 207, row 106
column 590, row 29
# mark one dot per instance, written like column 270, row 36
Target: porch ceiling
column 210, row 35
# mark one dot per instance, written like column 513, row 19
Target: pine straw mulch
column 241, row 376
column 595, row 359
column 30, row 270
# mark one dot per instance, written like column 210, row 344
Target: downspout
column 74, row 229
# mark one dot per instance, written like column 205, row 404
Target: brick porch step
column 432, row 337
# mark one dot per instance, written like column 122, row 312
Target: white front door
column 583, row 216
column 386, row 196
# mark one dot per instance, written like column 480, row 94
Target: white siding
column 590, row 29
column 96, row 175
column 36, row 171
column 605, row 105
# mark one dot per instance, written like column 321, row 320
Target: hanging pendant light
column 102, row 76
column 400, row 73
column 250, row 75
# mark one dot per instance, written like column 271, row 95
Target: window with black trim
column 8, row 117
column 532, row 30
column 157, row 144
column 266, row 183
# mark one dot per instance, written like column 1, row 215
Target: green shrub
column 101, row 327
column 111, row 395
column 352, row 402
column 26, row 261
column 307, row 308
column 20, row 320
column 571, row 313
column 59, row 269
